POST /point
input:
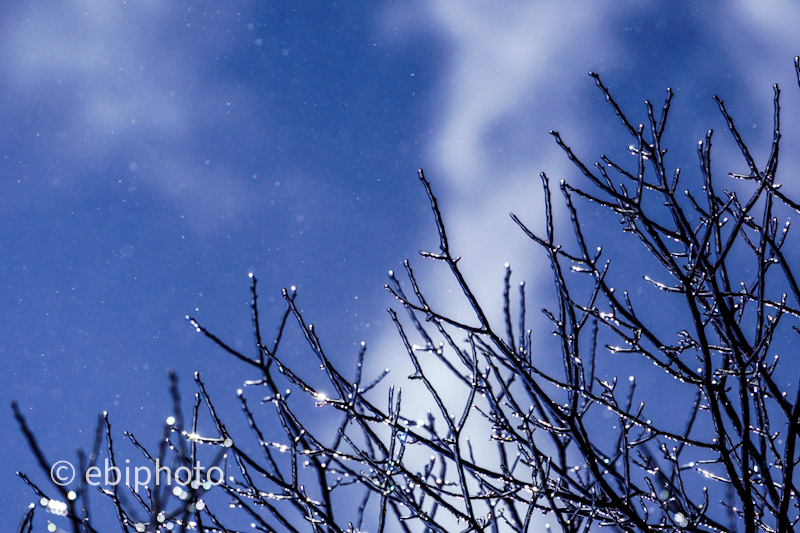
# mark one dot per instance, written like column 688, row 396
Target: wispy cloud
column 516, row 70
column 124, row 85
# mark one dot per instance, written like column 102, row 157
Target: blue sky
column 154, row 153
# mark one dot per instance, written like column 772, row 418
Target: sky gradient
column 154, row 154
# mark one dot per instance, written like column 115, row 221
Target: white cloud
column 516, row 70
column 124, row 82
